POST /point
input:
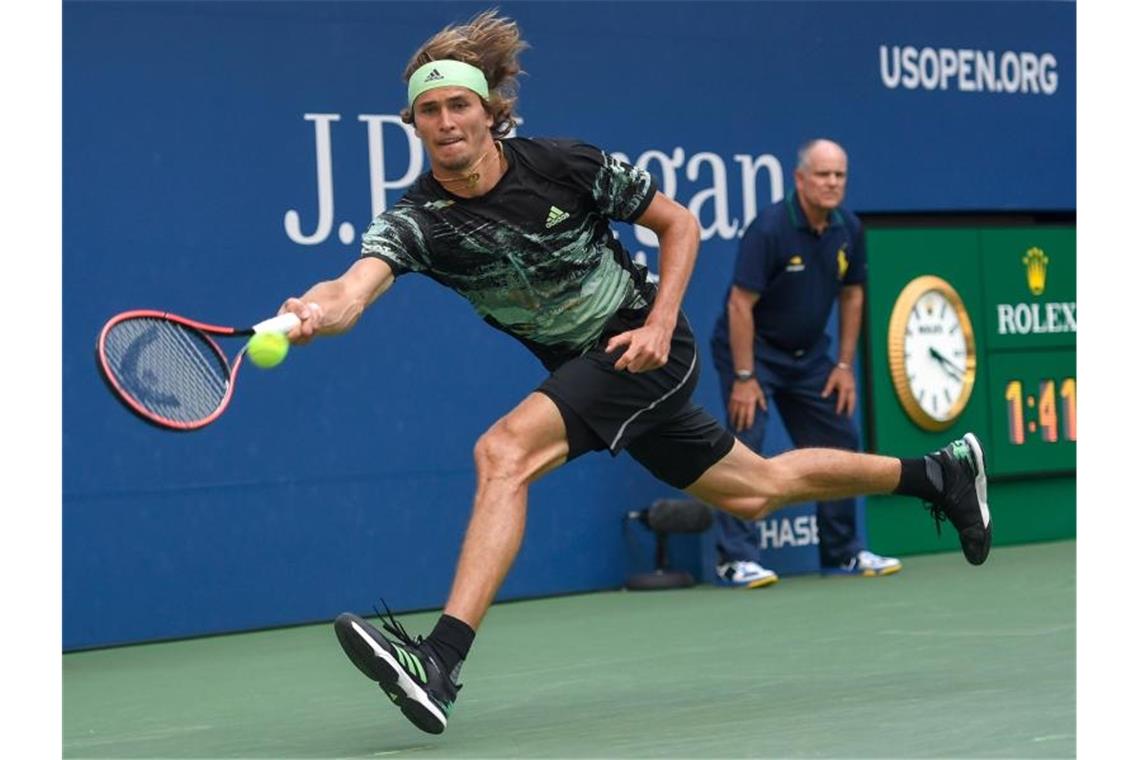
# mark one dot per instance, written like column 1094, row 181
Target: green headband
column 446, row 73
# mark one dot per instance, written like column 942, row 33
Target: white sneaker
column 744, row 574
column 867, row 564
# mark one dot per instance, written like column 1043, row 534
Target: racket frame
column 281, row 323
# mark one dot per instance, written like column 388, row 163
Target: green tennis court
column 942, row 660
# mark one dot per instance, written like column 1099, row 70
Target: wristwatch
column 744, row 374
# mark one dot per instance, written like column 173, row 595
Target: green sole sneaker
column 964, row 500
column 405, row 670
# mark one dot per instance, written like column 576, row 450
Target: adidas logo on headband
column 447, row 73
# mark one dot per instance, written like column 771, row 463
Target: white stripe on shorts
column 635, row 415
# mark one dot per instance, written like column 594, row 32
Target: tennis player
column 521, row 228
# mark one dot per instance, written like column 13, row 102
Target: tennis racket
column 169, row 370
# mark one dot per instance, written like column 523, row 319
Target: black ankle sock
column 920, row 477
column 451, row 639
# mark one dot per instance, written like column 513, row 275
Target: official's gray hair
column 805, row 149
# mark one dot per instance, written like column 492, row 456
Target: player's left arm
column 842, row 377
column 678, row 236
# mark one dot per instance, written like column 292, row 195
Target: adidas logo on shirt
column 556, row 216
column 434, row 75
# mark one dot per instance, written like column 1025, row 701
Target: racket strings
column 167, row 369
column 201, row 358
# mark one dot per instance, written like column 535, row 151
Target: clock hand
column 947, row 365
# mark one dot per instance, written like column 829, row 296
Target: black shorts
column 650, row 414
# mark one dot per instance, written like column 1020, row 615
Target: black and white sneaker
column 963, row 496
column 407, row 671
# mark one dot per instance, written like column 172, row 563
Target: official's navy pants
column 794, row 384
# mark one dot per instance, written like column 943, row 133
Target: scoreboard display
column 986, row 318
column 1033, row 409
column 1029, row 282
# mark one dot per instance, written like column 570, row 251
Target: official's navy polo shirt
column 797, row 272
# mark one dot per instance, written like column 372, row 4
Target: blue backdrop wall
column 219, row 156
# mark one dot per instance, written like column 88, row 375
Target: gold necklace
column 471, row 178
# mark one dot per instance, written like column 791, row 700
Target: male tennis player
column 520, row 228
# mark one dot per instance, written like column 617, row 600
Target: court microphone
column 675, row 516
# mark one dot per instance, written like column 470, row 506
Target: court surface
column 941, row 660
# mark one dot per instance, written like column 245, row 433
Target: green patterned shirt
column 535, row 256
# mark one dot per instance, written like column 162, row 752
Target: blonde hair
column 489, row 42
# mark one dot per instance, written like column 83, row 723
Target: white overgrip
column 282, row 323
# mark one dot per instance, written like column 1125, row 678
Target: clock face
column 931, row 352
column 934, row 355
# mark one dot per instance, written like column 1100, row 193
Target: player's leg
column 421, row 676
column 522, row 446
column 751, row 486
column 692, row 451
column 952, row 480
column 584, row 405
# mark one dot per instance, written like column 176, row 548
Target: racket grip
column 282, row 323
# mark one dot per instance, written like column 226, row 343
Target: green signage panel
column 986, row 319
column 895, row 259
column 1030, row 280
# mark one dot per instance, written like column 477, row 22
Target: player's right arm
column 333, row 307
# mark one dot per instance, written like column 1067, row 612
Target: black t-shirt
column 535, row 255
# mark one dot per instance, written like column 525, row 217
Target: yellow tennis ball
column 267, row 349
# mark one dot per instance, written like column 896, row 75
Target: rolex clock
column 931, row 352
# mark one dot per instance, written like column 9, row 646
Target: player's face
column 454, row 126
column 823, row 182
